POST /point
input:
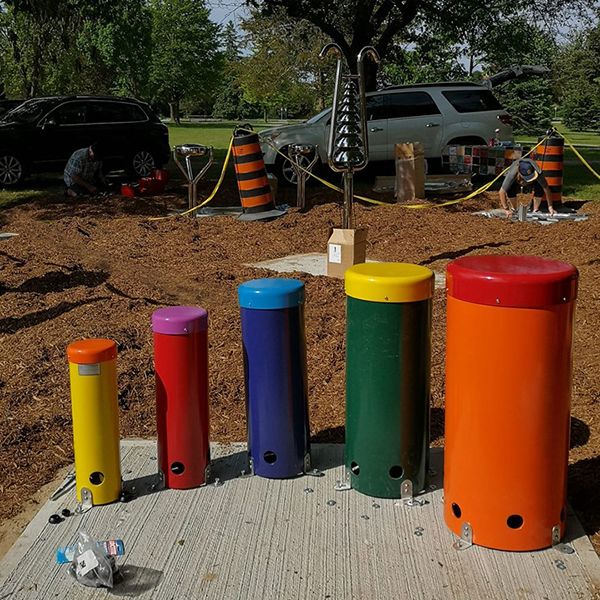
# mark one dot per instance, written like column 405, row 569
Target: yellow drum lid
column 389, row 282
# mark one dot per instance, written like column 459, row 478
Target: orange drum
column 549, row 157
column 253, row 184
column 507, row 421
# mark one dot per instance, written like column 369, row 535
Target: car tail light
column 505, row 119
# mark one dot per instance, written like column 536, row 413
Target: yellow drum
column 92, row 369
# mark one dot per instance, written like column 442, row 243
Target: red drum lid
column 515, row 281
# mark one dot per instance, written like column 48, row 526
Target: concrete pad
column 255, row 538
column 315, row 263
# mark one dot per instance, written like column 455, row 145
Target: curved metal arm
column 366, row 51
column 338, row 81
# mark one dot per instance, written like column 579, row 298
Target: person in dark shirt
column 83, row 173
column 527, row 174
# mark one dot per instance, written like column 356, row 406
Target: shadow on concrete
column 226, row 468
column 133, row 580
column 142, row 486
column 584, row 492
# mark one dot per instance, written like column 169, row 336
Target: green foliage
column 425, row 57
column 530, row 100
column 282, row 69
column 75, row 46
column 578, row 81
column 185, row 60
column 353, row 24
column 229, row 98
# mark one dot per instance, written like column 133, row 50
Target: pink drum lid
column 179, row 320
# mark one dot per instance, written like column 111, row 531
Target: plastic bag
column 91, row 565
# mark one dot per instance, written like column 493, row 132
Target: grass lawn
column 578, row 181
column 586, row 138
column 209, row 134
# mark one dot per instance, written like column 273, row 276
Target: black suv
column 42, row 133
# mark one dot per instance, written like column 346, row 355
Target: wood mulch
column 99, row 268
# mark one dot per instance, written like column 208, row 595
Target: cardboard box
column 345, row 247
column 410, row 171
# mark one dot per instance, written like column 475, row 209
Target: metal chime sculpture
column 303, row 158
column 348, row 146
column 187, row 152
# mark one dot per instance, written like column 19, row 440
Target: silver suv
column 435, row 114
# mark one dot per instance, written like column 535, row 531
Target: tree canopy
column 353, row 24
column 185, row 60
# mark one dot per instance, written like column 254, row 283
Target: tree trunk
column 321, row 91
column 370, row 75
column 265, row 114
column 174, row 110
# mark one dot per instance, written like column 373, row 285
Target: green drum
column 388, row 361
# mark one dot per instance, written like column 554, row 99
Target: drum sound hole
column 396, row 472
column 514, row 521
column 456, row 510
column 177, row 468
column 96, row 478
column 270, row 457
column 354, row 468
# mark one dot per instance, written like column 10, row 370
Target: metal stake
column 187, row 152
column 347, row 217
column 299, row 153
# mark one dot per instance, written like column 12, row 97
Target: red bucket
column 161, row 175
column 148, row 186
column 127, row 190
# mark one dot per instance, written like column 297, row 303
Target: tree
column 424, row 57
column 74, row 46
column 185, row 60
column 229, row 98
column 282, row 68
column 578, row 81
column 531, row 99
column 353, row 24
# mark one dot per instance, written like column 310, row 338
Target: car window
column 30, row 111
column 318, row 116
column 411, row 104
column 376, row 107
column 472, row 100
column 72, row 113
column 114, row 112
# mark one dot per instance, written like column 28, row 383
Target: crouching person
column 83, row 173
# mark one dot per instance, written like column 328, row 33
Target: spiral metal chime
column 348, row 147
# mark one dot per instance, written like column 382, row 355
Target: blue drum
column 274, row 343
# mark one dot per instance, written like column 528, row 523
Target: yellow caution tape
column 212, row 194
column 482, row 189
column 585, row 162
column 331, row 186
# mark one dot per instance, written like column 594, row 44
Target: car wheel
column 12, row 170
column 285, row 171
column 143, row 163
